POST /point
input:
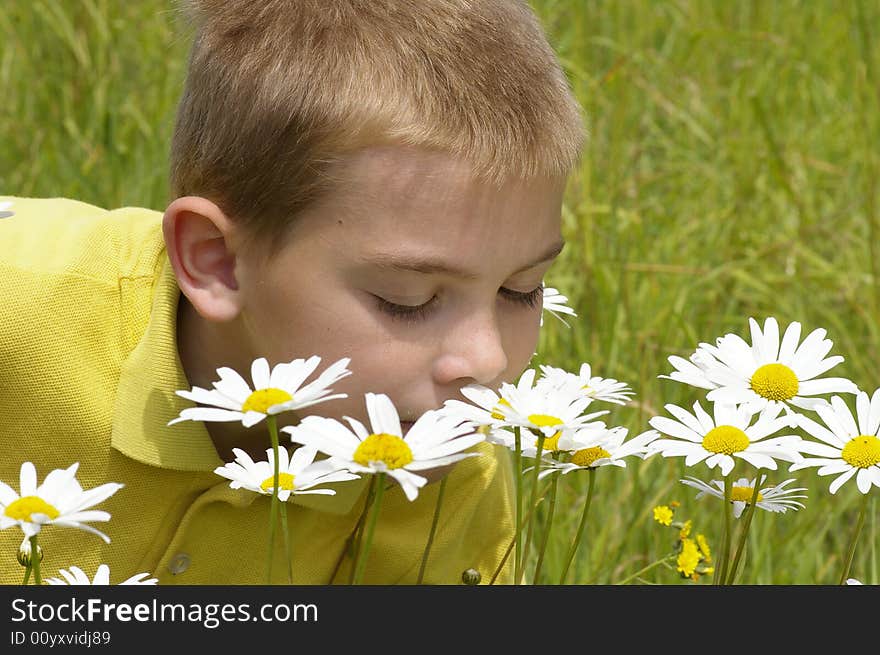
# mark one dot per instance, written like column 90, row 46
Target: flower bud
column 471, row 577
column 24, row 553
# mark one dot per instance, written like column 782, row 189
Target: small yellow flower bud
column 471, row 577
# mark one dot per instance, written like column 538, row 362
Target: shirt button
column 179, row 563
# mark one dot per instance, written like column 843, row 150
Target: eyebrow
column 404, row 263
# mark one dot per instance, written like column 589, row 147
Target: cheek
column 521, row 341
column 308, row 320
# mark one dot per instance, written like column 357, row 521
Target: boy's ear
column 197, row 237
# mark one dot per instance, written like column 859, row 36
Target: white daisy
column 767, row 372
column 76, row 576
column 297, row 473
column 543, row 407
column 589, row 451
column 555, row 303
column 275, row 391
column 435, row 439
column 852, row 581
column 60, row 500
column 849, row 448
column 718, row 440
column 772, row 498
column 565, row 442
column 597, row 388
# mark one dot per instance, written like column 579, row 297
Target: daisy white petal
column 383, row 415
column 839, row 481
column 76, row 576
column 207, row 414
column 210, row 397
column 409, row 482
column 688, row 373
column 597, row 388
column 274, row 390
column 555, row 303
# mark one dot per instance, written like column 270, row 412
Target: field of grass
column 731, row 171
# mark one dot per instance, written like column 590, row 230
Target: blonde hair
column 278, row 91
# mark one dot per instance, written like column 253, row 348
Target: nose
column 473, row 351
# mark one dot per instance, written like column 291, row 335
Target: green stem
column 517, row 470
column 35, row 560
column 532, row 502
column 744, row 530
column 273, row 507
column 286, row 533
column 646, row 569
column 371, row 527
column 27, row 575
column 433, row 529
column 527, row 518
column 725, row 541
column 362, row 521
column 280, row 507
column 851, row 551
column 577, row 537
column 552, row 500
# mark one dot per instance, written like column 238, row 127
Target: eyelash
column 417, row 312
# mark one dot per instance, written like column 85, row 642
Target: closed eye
column 413, row 313
column 410, row 313
column 529, row 298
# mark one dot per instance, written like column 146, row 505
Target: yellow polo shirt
column 88, row 371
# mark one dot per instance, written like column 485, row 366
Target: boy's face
column 425, row 277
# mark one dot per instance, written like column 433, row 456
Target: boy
column 351, row 178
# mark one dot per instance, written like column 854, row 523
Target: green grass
column 731, row 171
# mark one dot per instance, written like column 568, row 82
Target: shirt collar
column 146, row 401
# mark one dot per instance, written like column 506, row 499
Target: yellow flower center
column 262, row 399
column 23, row 508
column 544, row 420
column 551, row 444
column 388, row 448
column 725, row 439
column 775, row 382
column 497, row 412
column 285, row 481
column 744, row 494
column 586, row 456
column 862, row 451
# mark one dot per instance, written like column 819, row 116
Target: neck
column 204, row 346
